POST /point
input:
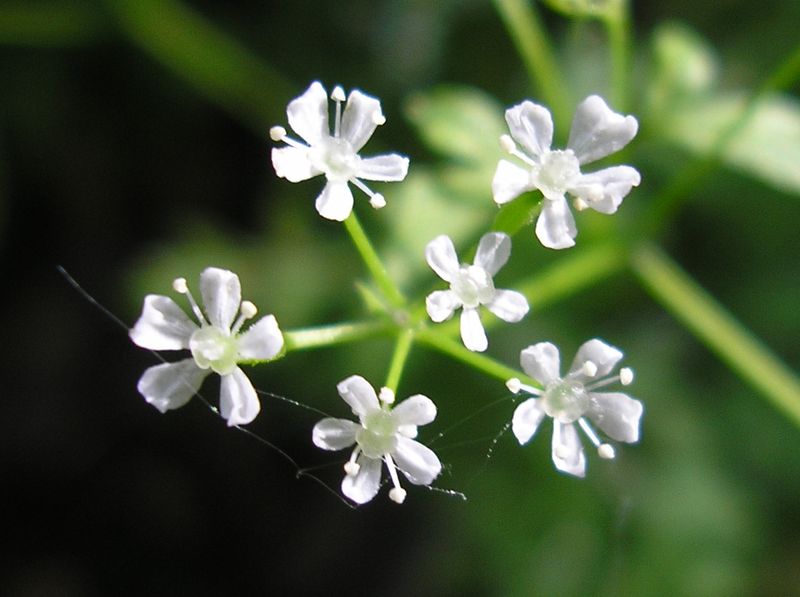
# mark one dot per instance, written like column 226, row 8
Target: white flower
column 335, row 156
column 383, row 434
column 471, row 286
column 573, row 399
column 596, row 132
column 216, row 345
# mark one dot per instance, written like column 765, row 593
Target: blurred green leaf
column 767, row 146
column 49, row 23
column 585, row 8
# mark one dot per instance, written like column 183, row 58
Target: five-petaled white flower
column 335, row 156
column 596, row 132
column 215, row 344
column 471, row 286
column 573, row 399
column 383, row 434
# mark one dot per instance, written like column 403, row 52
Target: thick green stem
column 718, row 330
column 401, row 351
column 331, row 335
column 441, row 342
column 373, row 261
column 522, row 22
column 618, row 26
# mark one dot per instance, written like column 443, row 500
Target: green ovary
column 565, row 401
column 211, row 347
column 378, row 435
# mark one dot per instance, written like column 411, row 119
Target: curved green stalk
column 618, row 27
column 717, row 329
column 331, row 335
column 401, row 351
column 373, row 261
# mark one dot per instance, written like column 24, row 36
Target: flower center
column 473, row 286
column 557, row 171
column 336, row 158
column 565, row 400
column 211, row 347
column 378, row 434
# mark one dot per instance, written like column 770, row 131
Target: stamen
column 352, row 467
column 626, row 376
column 377, row 201
column 589, row 369
column 180, row 286
column 601, row 383
column 606, row 451
column 366, row 190
column 579, row 204
column 514, row 385
column 247, row 310
column 386, row 395
column 507, row 143
column 590, row 433
column 337, row 95
column 397, row 494
column 277, row 133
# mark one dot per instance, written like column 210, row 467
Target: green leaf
column 767, row 146
column 585, row 8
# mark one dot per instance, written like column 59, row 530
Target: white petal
column 262, row 340
column 509, row 182
column 542, row 362
column 509, row 305
column 308, row 114
column 360, row 118
column 603, row 355
column 334, row 434
column 604, row 190
column 441, row 256
column 222, row 294
column 472, row 333
column 527, row 417
column 389, row 167
column 415, row 410
column 568, row 453
column 617, row 414
column 598, row 131
column 335, row 202
column 493, row 251
column 362, row 487
column 171, row 385
column 359, row 394
column 531, row 126
column 162, row 325
column 292, row 163
column 441, row 304
column 417, row 462
column 555, row 227
column 238, row 402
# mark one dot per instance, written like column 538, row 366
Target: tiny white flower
column 596, row 132
column 472, row 286
column 382, row 435
column 336, row 156
column 216, row 345
column 573, row 399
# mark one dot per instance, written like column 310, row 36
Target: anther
column 589, row 369
column 514, row 385
column 397, row 495
column 337, row 94
column 626, row 376
column 386, row 395
column 507, row 143
column 606, row 451
column 579, row 204
column 179, row 285
column 351, row 468
column 248, row 309
column 377, row 201
column 277, row 133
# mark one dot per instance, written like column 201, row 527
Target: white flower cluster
column 384, row 434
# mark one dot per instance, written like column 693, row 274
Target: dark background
column 119, row 169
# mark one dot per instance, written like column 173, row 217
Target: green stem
column 522, row 22
column 401, row 351
column 684, row 185
column 617, row 23
column 718, row 330
column 441, row 342
column 331, row 335
column 373, row 261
